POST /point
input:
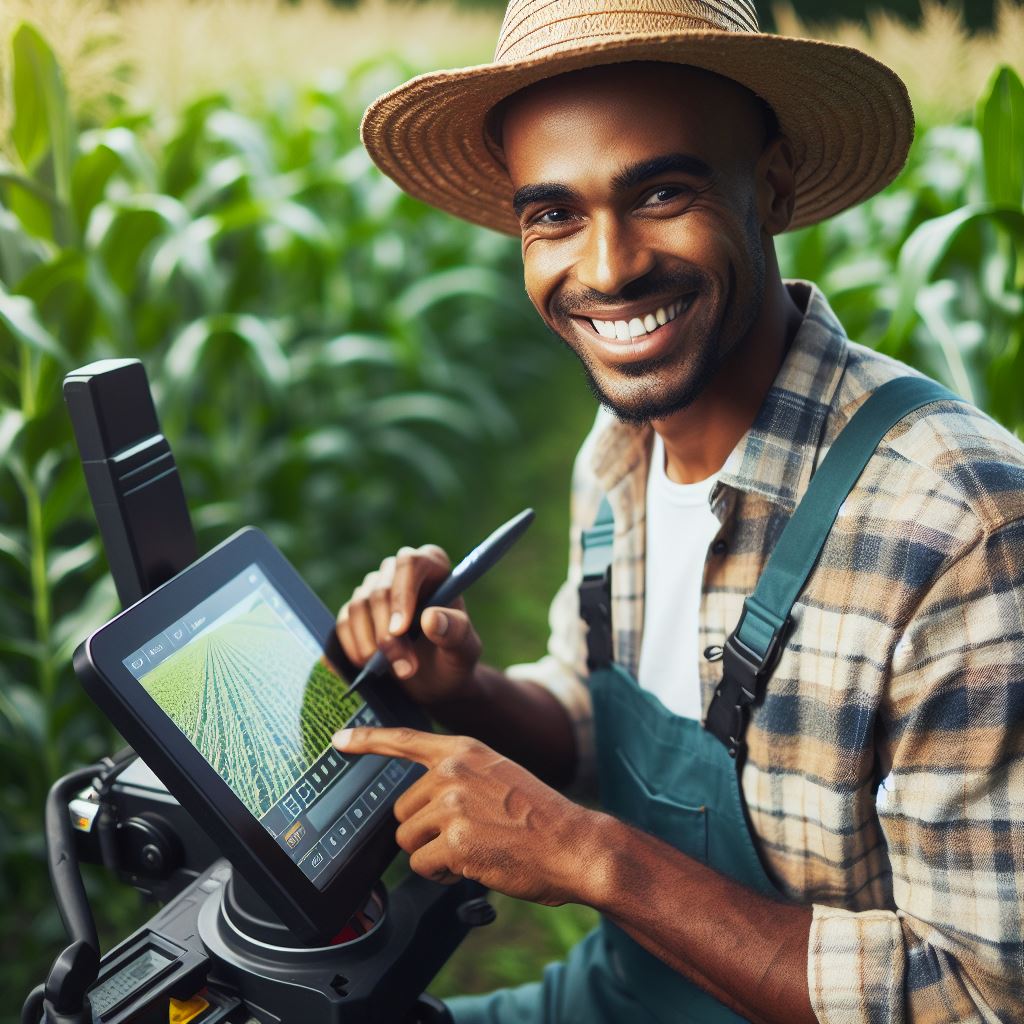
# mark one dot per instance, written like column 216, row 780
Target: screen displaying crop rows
column 248, row 686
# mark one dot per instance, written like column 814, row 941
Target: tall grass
column 87, row 38
column 177, row 46
column 944, row 64
column 163, row 54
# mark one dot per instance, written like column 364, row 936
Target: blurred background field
column 183, row 182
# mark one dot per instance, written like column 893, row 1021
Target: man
column 857, row 855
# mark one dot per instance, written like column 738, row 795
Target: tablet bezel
column 311, row 913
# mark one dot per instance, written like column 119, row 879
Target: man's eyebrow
column 546, row 192
column 681, row 163
column 629, row 177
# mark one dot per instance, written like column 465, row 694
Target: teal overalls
column 675, row 778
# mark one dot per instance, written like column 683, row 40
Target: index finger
column 427, row 748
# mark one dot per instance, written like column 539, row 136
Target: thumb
column 449, row 629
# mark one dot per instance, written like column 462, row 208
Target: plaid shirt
column 885, row 774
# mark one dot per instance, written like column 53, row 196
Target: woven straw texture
column 847, row 116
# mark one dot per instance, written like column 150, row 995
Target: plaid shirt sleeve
column 951, row 809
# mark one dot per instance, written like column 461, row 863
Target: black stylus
column 465, row 574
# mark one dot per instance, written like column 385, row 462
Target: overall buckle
column 743, row 671
column 745, row 666
column 596, row 610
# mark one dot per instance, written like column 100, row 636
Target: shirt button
column 719, row 547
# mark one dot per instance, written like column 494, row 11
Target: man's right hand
column 439, row 666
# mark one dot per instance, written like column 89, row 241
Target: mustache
column 677, row 282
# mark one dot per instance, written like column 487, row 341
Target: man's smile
column 635, row 332
column 632, row 325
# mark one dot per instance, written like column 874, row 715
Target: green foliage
column 932, row 270
column 321, row 348
column 1001, row 123
column 337, row 363
column 515, row 948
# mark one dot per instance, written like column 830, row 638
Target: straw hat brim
column 847, row 116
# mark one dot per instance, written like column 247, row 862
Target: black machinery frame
column 215, row 952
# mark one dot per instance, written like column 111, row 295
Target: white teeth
column 623, row 330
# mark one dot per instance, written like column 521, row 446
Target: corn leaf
column 42, row 119
column 426, row 408
column 18, row 318
column 1001, row 123
column 458, row 282
column 923, row 253
column 19, row 250
column 190, row 348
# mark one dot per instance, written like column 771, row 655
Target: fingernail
column 396, row 622
column 440, row 623
column 341, row 738
column 402, row 668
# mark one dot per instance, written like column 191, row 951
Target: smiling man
column 823, row 826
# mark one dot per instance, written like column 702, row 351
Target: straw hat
column 847, row 116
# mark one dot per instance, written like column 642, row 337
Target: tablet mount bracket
column 131, row 475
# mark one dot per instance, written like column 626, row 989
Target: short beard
column 649, row 406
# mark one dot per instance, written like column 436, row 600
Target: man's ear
column 776, row 185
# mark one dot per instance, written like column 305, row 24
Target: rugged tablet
column 220, row 681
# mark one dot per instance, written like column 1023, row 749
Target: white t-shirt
column 680, row 526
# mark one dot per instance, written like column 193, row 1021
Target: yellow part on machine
column 181, row 1011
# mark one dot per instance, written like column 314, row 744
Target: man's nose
column 613, row 255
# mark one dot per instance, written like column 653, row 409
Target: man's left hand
column 478, row 815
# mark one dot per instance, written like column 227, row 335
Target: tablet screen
column 245, row 681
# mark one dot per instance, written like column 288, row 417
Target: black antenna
column 132, row 476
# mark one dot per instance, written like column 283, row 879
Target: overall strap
column 596, row 587
column 752, row 651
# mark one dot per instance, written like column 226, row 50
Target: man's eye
column 663, row 195
column 552, row 217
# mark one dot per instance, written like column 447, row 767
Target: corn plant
column 932, row 270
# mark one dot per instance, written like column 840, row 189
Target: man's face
column 636, row 189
